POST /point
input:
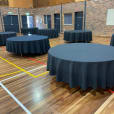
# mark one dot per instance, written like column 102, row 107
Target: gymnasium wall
column 96, row 15
column 5, row 10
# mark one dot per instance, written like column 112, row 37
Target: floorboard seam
column 104, row 105
column 15, row 99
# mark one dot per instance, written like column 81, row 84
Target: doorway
column 11, row 23
column 57, row 22
column 78, row 20
column 49, row 21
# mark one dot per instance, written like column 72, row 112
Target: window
column 68, row 19
column 45, row 19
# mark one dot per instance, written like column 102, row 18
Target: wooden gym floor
column 26, row 87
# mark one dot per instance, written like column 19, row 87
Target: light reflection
column 37, row 95
column 29, row 34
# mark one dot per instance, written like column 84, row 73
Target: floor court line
column 41, row 74
column 7, row 74
column 111, row 91
column 11, row 95
column 35, row 60
column 23, row 70
column 15, row 99
column 104, row 105
column 38, row 68
column 27, row 72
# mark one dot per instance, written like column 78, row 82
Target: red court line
column 36, row 61
column 32, row 59
column 42, row 59
column 110, row 91
column 33, row 63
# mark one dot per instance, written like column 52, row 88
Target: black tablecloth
column 34, row 44
column 26, row 31
column 82, row 64
column 112, row 40
column 78, row 36
column 51, row 33
column 4, row 36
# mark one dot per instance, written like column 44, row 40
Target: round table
column 112, row 40
column 82, row 64
column 4, row 36
column 76, row 36
column 51, row 33
column 33, row 44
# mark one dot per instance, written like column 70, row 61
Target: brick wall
column 5, row 10
column 96, row 14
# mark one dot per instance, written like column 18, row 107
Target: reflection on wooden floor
column 44, row 95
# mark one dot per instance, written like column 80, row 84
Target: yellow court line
column 23, row 70
column 41, row 74
column 9, row 74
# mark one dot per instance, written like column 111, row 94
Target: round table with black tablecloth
column 26, row 31
column 82, row 64
column 4, row 36
column 112, row 40
column 76, row 36
column 33, row 44
column 51, row 33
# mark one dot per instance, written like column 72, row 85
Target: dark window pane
column 45, row 19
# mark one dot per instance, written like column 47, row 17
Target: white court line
column 23, row 73
column 104, row 105
column 15, row 99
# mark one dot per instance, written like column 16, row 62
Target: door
column 39, row 22
column 27, row 21
column 78, row 20
column 11, row 23
column 49, row 21
column 57, row 22
column 24, row 21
